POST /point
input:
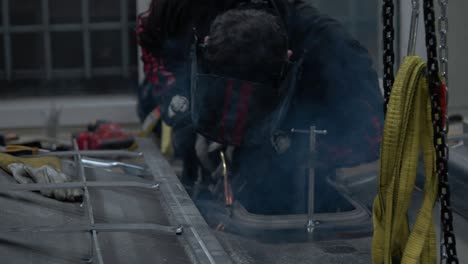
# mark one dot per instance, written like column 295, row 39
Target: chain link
column 388, row 11
column 443, row 47
column 444, row 51
column 448, row 242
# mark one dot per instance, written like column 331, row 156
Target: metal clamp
column 312, row 132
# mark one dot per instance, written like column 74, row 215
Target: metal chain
column 388, row 11
column 448, row 242
column 443, row 47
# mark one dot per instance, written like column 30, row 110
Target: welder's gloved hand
column 208, row 152
column 205, row 150
column 46, row 174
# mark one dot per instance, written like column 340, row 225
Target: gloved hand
column 204, row 149
column 25, row 174
column 208, row 154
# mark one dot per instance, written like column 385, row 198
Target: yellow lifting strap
column 166, row 140
column 408, row 130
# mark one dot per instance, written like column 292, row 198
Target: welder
column 280, row 67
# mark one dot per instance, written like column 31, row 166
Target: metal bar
column 413, row 37
column 311, row 194
column 95, row 163
column 47, row 45
column 110, row 71
column 311, row 215
column 94, row 153
column 66, row 27
column 87, row 200
column 198, row 235
column 72, row 185
column 86, row 38
column 124, row 37
column 27, row 29
column 135, row 227
column 7, row 38
column 109, row 26
column 103, row 71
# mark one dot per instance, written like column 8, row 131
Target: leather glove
column 208, row 154
column 205, row 149
column 46, row 174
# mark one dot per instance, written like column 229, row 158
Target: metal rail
column 140, row 227
column 89, row 206
column 186, row 221
column 94, row 153
column 72, row 185
column 68, row 73
column 68, row 27
column 92, row 227
column 198, row 236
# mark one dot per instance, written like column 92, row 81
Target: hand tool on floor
column 104, row 135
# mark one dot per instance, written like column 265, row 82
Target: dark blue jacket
column 338, row 91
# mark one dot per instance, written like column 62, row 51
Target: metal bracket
column 312, row 132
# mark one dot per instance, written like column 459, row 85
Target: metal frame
column 93, row 228
column 86, row 27
column 199, row 238
column 196, row 236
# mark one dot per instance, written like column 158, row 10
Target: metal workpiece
column 413, row 37
column 198, row 236
column 90, row 211
column 118, row 210
column 137, row 227
column 93, row 153
column 96, row 163
column 72, row 185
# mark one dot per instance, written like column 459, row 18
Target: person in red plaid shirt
column 335, row 89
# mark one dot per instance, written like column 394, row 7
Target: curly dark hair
column 247, row 43
column 175, row 18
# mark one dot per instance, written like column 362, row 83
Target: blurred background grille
column 67, row 47
column 88, row 47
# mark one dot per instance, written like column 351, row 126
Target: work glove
column 25, row 174
column 205, row 149
column 40, row 170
